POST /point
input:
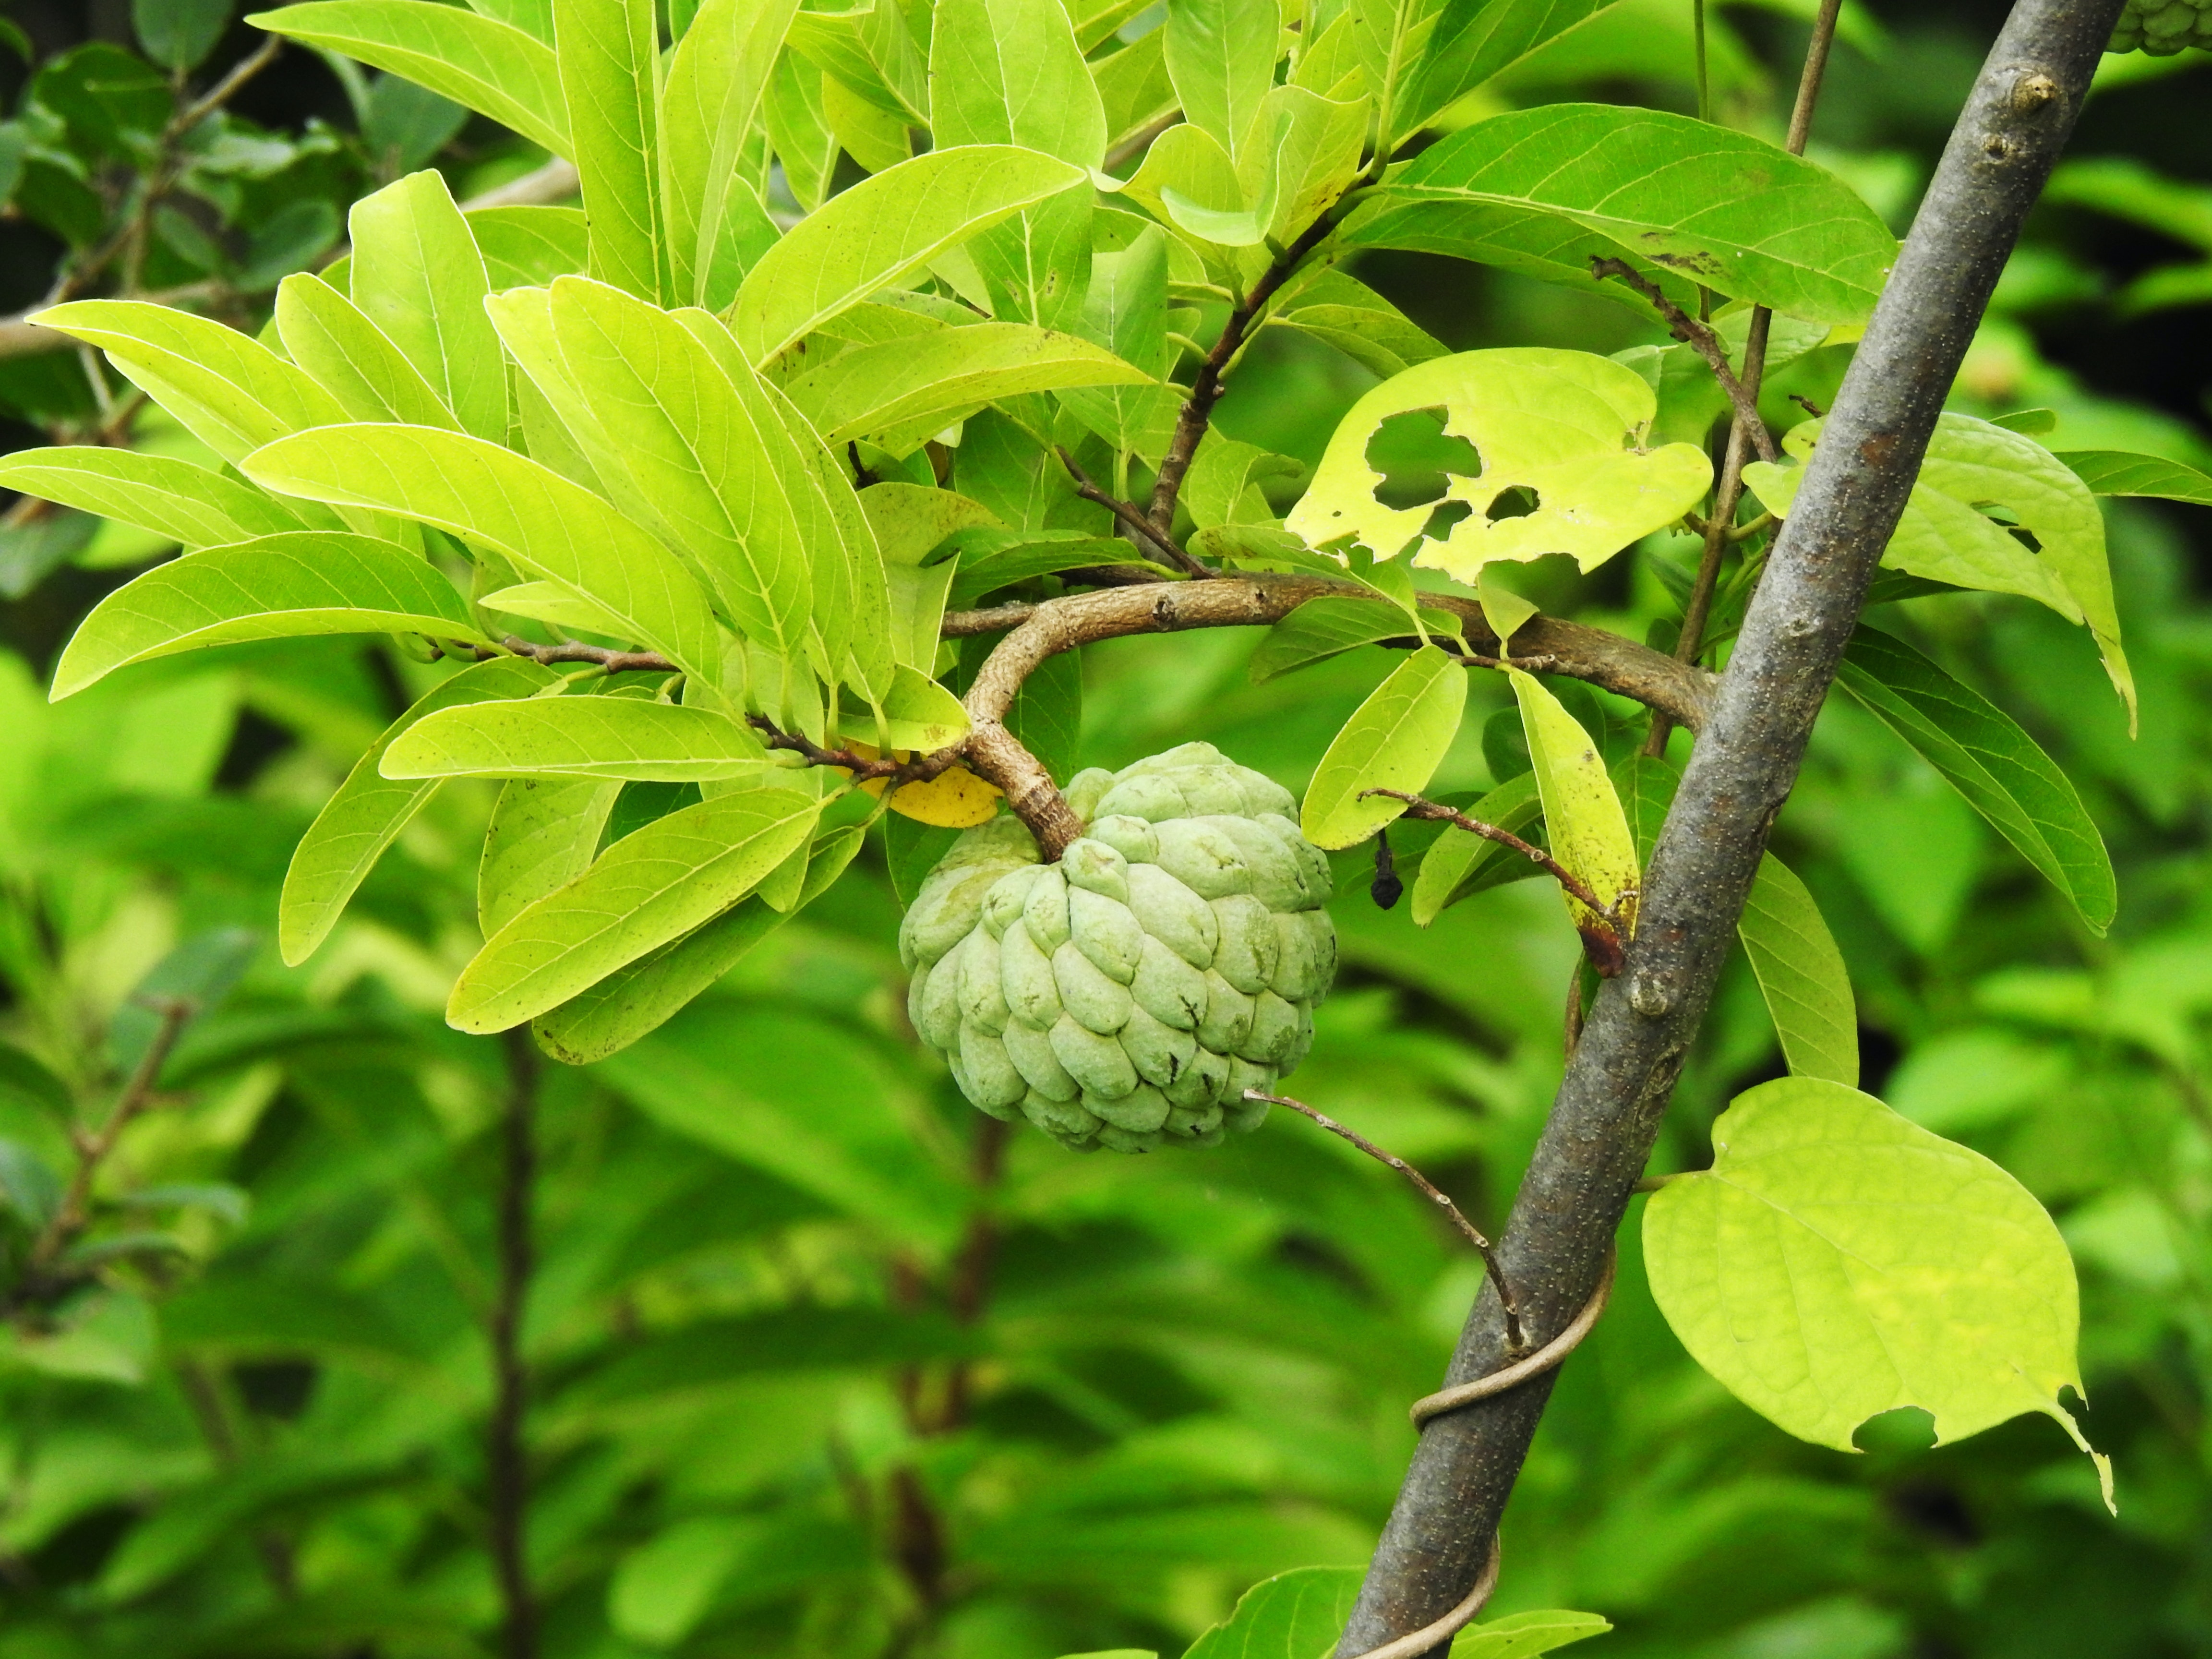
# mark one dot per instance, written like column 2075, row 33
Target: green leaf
column 541, row 835
column 1294, row 1615
column 1036, row 266
column 2000, row 770
column 299, row 582
column 606, row 52
column 1134, row 87
column 1221, row 56
column 1582, row 816
column 646, row 889
column 231, row 392
column 1343, row 312
column 178, row 34
column 1947, row 534
column 1125, row 309
column 367, row 814
column 1329, row 627
column 1394, row 740
column 718, row 81
column 416, row 274
column 2116, row 472
column 799, row 132
column 869, row 50
column 1223, row 484
column 326, row 334
column 992, row 559
column 1458, row 865
column 529, row 246
column 1524, row 1635
column 523, row 511
column 902, row 393
column 1543, row 191
column 186, row 503
column 1304, row 153
column 1472, row 41
column 1561, row 424
column 873, row 235
column 1838, row 1261
column 701, row 450
column 640, row 997
column 492, row 67
column 1802, row 975
column 1010, row 72
column 604, row 738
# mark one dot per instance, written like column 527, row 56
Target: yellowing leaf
column 1563, row 426
column 1838, row 1261
column 955, row 799
column 1582, row 817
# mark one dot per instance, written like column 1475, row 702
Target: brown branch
column 1046, row 628
column 1205, row 388
column 1701, row 339
column 506, row 1452
column 599, row 656
column 93, row 1149
column 1156, row 534
column 1429, row 1190
column 1601, row 934
column 1721, row 529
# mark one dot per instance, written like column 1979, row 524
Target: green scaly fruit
column 1127, row 996
column 2163, row 28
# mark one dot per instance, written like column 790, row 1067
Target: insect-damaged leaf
column 1560, row 424
column 1838, row 1261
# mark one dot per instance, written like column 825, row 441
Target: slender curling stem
column 1721, row 529
column 506, row 1456
column 1428, row 1189
column 1606, row 1118
column 1128, row 515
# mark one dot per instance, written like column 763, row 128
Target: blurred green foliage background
column 817, row 1372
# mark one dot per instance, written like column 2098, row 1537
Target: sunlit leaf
column 417, row 275
column 603, row 738
column 193, row 505
column 1587, row 830
column 1394, row 740
column 1838, row 1262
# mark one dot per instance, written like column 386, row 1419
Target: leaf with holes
column 1838, row 1261
column 2050, row 546
column 1545, row 191
column 1561, row 424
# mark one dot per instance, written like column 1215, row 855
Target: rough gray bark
column 1607, row 1114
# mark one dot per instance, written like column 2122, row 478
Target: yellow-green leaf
column 1588, row 831
column 1394, row 740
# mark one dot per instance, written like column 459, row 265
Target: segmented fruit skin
column 1127, row 996
column 2163, row 28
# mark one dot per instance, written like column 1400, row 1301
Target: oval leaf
column 305, row 581
column 1394, row 740
column 607, row 738
column 1838, row 1261
column 1588, row 829
column 652, row 886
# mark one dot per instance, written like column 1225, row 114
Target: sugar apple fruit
column 1127, row 996
column 2163, row 28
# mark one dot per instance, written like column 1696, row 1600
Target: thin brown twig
column 93, row 1149
column 1128, row 515
column 1701, row 339
column 1721, row 529
column 506, row 1454
column 1206, row 387
column 1429, row 1190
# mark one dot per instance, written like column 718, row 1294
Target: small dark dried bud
column 1386, row 889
